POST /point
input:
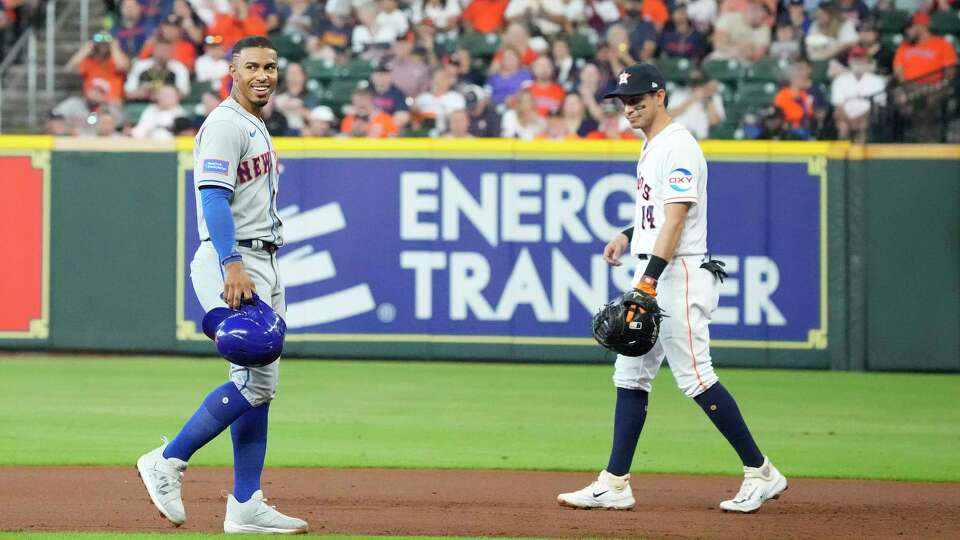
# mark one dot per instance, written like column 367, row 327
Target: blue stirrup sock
column 249, row 435
column 219, row 409
column 628, row 418
column 722, row 410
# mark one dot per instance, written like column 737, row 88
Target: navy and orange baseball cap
column 637, row 80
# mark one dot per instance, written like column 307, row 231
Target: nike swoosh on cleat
column 595, row 495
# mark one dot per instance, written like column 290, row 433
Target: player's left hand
column 237, row 285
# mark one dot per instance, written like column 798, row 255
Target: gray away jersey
column 233, row 150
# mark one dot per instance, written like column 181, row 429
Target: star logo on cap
column 653, row 85
column 624, row 77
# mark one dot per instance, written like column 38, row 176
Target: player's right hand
column 237, row 285
column 615, row 248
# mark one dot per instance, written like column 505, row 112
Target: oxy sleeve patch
column 218, row 166
column 680, row 180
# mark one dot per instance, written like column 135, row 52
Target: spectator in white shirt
column 441, row 14
column 549, row 16
column 157, row 119
column 697, row 107
column 522, row 121
column 212, row 66
column 149, row 74
column 369, row 31
column 830, row 35
column 850, row 93
column 703, row 14
column 391, row 17
column 440, row 101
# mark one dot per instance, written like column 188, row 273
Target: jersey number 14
column 646, row 217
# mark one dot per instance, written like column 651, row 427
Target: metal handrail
column 29, row 40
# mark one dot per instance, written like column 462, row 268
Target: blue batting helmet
column 251, row 336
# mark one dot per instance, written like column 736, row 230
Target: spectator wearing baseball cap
column 484, row 119
column 850, row 95
column 364, row 119
column 922, row 56
column 320, row 122
column 387, row 97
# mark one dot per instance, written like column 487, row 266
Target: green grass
column 107, row 411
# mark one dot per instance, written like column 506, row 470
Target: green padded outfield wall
column 815, row 233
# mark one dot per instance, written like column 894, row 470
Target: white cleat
column 760, row 484
column 256, row 517
column 163, row 479
column 609, row 492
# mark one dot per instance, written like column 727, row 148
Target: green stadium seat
column 583, row 45
column 723, row 70
column 756, row 95
column 132, row 110
column 480, row 45
column 725, row 130
column 892, row 21
column 819, row 71
column 891, row 40
column 767, row 69
column 945, row 22
column 197, row 89
column 675, row 69
column 320, row 70
column 358, row 68
column 735, row 110
column 289, row 46
column 340, row 91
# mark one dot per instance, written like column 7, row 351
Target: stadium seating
column 675, row 69
column 723, row 70
column 892, row 21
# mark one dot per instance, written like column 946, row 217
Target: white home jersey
column 233, row 150
column 671, row 169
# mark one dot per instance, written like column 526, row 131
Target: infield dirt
column 481, row 503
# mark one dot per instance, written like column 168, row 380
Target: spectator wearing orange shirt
column 240, row 21
column 547, row 94
column 922, row 53
column 655, row 12
column 364, row 120
column 485, row 15
column 184, row 51
column 794, row 99
column 101, row 58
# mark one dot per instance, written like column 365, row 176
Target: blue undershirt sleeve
column 216, row 213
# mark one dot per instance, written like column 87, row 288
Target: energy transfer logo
column 304, row 266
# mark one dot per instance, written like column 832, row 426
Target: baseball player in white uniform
column 236, row 179
column 670, row 235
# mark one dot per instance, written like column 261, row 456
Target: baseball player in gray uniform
column 670, row 237
column 235, row 173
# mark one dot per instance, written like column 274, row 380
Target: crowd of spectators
column 527, row 69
